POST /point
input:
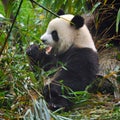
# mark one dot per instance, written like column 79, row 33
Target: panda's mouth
column 48, row 49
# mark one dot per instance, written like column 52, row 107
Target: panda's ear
column 77, row 21
column 60, row 12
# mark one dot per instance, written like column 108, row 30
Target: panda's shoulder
column 81, row 56
column 82, row 52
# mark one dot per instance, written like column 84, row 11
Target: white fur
column 84, row 39
column 68, row 35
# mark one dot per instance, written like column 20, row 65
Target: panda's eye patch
column 55, row 35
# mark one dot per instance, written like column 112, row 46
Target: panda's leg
column 55, row 98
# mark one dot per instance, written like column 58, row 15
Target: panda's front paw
column 34, row 54
column 32, row 50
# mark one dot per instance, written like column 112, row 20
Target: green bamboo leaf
column 95, row 6
column 118, row 21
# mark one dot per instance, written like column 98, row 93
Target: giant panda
column 69, row 42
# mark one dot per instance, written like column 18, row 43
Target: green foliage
column 2, row 9
column 41, row 111
column 12, row 5
column 95, row 6
column 118, row 21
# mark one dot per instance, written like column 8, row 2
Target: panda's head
column 67, row 31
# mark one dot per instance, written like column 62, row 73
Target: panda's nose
column 44, row 40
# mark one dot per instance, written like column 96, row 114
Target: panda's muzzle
column 48, row 47
column 44, row 38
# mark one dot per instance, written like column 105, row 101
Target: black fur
column 55, row 35
column 60, row 12
column 81, row 68
column 77, row 21
column 39, row 58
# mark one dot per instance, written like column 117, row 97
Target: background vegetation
column 19, row 87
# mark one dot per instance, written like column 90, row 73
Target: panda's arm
column 39, row 58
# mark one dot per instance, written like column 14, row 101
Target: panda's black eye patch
column 55, row 35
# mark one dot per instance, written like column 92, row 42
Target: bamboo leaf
column 118, row 21
column 95, row 6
